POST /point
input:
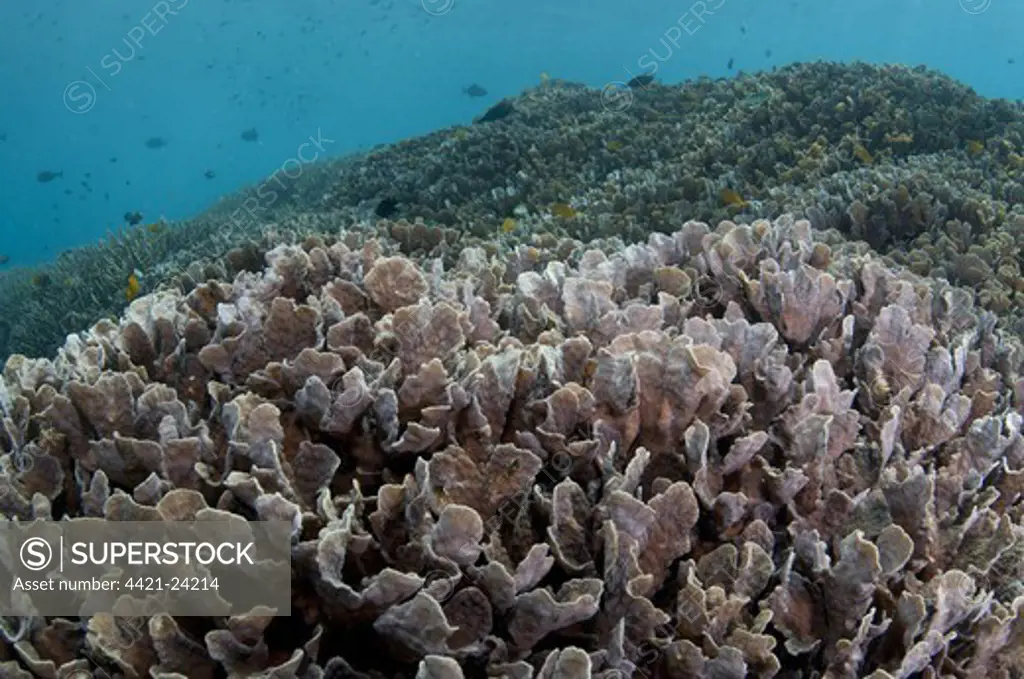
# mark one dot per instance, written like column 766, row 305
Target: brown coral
column 576, row 468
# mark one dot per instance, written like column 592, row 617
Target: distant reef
column 903, row 161
column 550, row 396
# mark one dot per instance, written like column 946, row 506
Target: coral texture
column 721, row 452
column 909, row 161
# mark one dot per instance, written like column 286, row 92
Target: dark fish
column 475, row 90
column 133, row 218
column 113, row 159
column 250, row 135
column 209, row 174
column 768, row 53
column 48, row 176
column 641, row 81
column 1011, row 60
column 502, row 109
column 4, row 259
column 743, row 30
column 3, row 136
column 386, row 208
column 730, row 64
column 155, row 143
column 67, row 192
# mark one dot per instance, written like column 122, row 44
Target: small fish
column 508, row 226
column 863, row 155
column 474, row 90
column 133, row 287
column 743, row 29
column 502, row 109
column 641, row 81
column 156, row 143
column 133, row 218
column 902, row 138
column 250, row 135
column 614, row 145
column 974, row 147
column 41, row 280
column 731, row 63
column 386, row 208
column 4, row 259
column 768, row 53
column 461, row 134
column 757, row 98
column 48, row 176
column 155, row 227
column 3, row 136
column 1011, row 61
column 545, row 79
column 732, row 198
column 563, row 210
column 209, row 174
column 113, row 159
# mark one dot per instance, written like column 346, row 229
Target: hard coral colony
column 687, row 450
column 565, row 465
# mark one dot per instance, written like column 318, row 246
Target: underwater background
column 575, row 340
column 141, row 107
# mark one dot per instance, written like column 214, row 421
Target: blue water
column 85, row 82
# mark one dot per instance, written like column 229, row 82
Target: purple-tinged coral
column 720, row 453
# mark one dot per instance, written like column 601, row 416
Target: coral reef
column 716, row 452
column 910, row 161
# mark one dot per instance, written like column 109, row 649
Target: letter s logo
column 36, row 554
